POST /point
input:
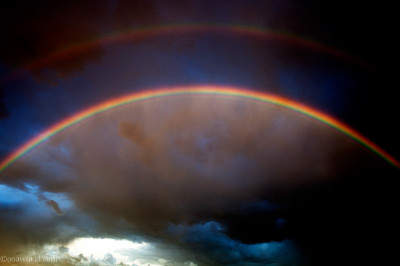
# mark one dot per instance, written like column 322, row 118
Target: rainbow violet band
column 196, row 90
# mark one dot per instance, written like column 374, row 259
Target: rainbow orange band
column 196, row 90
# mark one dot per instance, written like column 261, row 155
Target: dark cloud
column 35, row 32
column 63, row 249
column 210, row 239
column 132, row 131
column 54, row 205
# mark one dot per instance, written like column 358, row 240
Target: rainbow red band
column 196, row 90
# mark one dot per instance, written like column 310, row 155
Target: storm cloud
column 208, row 175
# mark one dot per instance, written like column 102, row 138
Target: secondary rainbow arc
column 196, row 90
column 146, row 32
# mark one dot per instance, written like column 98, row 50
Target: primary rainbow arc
column 196, row 90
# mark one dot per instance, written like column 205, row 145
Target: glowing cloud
column 99, row 247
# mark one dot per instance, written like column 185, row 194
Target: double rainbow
column 196, row 90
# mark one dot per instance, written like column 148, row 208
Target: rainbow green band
column 196, row 90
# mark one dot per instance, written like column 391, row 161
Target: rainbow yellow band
column 196, row 90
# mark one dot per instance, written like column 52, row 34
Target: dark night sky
column 344, row 219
